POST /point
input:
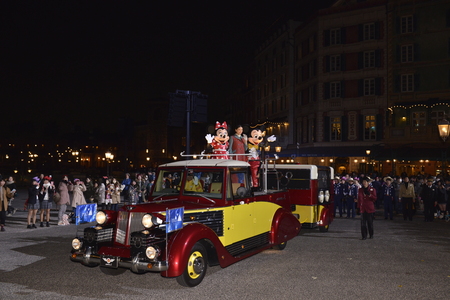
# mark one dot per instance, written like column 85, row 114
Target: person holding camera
column 78, row 197
column 47, row 190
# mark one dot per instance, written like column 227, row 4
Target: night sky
column 87, row 63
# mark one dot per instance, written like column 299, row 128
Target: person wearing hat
column 388, row 196
column 406, row 197
column 367, row 196
column 341, row 191
column 428, row 197
column 351, row 198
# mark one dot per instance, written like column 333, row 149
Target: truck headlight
column 76, row 244
column 101, row 217
column 327, row 195
column 147, row 221
column 321, row 197
column 152, row 252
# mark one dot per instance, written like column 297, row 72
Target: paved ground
column 405, row 260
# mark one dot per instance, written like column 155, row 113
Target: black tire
column 112, row 272
column 195, row 267
column 324, row 228
column 280, row 246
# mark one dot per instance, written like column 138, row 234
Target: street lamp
column 109, row 156
column 444, row 129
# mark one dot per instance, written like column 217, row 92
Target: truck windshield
column 168, row 182
column 207, row 182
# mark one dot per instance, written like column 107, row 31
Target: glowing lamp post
column 444, row 129
column 109, row 157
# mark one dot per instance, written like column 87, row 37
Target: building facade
column 358, row 85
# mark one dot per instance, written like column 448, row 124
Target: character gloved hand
column 272, row 138
column 195, row 180
column 209, row 138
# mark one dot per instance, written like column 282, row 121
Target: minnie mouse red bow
column 223, row 125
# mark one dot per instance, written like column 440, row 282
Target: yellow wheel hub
column 196, row 265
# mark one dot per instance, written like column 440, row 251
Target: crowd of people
column 402, row 195
column 44, row 194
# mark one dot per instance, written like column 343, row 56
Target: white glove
column 254, row 153
column 195, row 180
column 209, row 138
column 271, row 138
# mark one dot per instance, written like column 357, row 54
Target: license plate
column 109, row 261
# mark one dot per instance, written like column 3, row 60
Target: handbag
column 56, row 197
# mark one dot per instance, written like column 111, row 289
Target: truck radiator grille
column 127, row 222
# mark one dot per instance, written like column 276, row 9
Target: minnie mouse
column 219, row 142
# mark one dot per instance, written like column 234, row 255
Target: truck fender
column 325, row 217
column 285, row 226
column 181, row 242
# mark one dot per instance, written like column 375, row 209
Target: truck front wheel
column 195, row 268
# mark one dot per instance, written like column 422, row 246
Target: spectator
column 32, row 203
column 140, row 184
column 108, row 193
column 126, row 185
column 89, row 193
column 406, row 197
column 100, row 191
column 12, row 187
column 388, row 195
column 47, row 190
column 116, row 188
column 441, row 199
column 352, row 197
column 77, row 188
column 63, row 188
column 5, row 195
column 429, row 199
column 133, row 192
column 366, row 199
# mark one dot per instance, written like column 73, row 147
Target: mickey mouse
column 219, row 142
column 255, row 143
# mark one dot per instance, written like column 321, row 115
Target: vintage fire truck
column 223, row 220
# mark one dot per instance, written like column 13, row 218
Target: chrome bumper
column 133, row 264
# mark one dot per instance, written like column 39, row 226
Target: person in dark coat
column 351, row 198
column 341, row 191
column 428, row 197
column 367, row 196
column 32, row 203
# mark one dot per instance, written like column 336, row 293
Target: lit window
column 336, row 129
